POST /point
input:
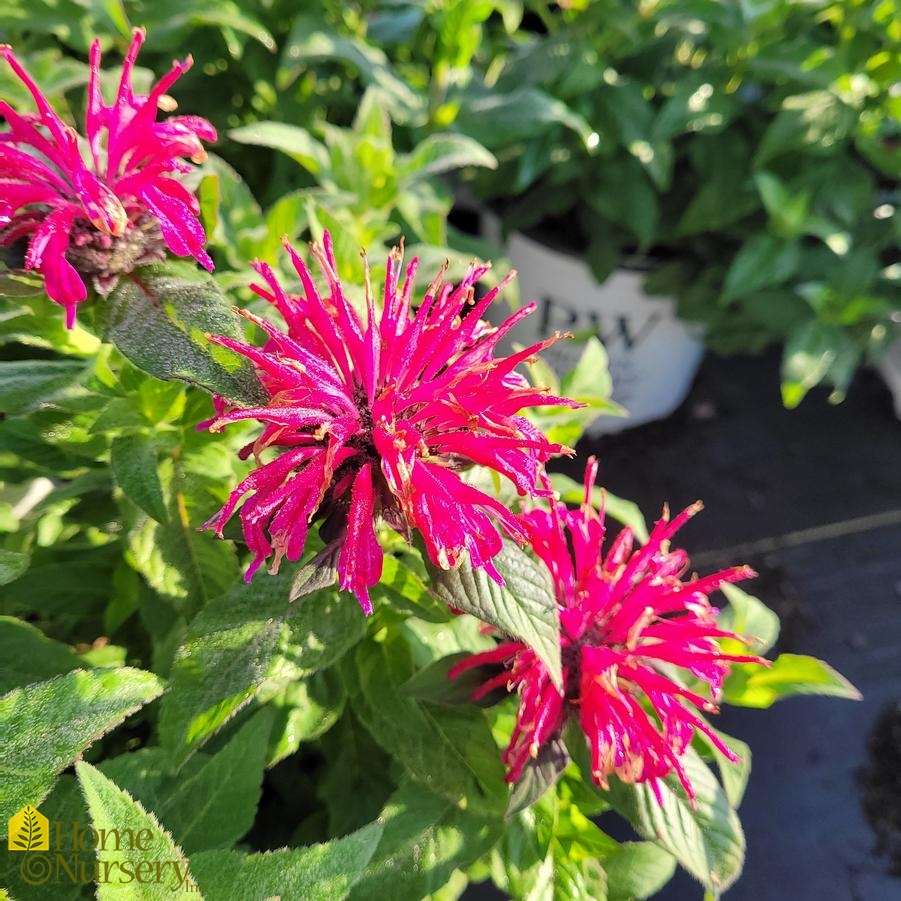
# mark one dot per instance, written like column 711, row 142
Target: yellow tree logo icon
column 29, row 831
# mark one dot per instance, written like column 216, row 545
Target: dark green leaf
column 159, row 318
column 763, row 261
column 27, row 655
column 12, row 565
column 449, row 749
column 306, row 710
column 525, row 607
column 134, row 463
column 240, row 640
column 216, row 803
column 539, row 775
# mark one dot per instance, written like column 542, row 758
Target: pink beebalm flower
column 377, row 418
column 634, row 636
column 95, row 208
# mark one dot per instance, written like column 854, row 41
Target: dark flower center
column 103, row 257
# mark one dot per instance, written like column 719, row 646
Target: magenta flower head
column 378, row 418
column 96, row 208
column 638, row 646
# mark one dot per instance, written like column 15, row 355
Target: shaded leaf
column 250, row 634
column 134, row 463
column 12, row 565
column 27, row 655
column 159, row 318
column 539, row 776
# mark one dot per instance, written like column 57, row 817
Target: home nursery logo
column 71, row 858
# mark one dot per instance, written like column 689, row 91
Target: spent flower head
column 93, row 208
column 377, row 418
column 639, row 646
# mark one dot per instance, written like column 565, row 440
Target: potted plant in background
column 746, row 159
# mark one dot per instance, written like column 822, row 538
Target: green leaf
column 499, row 120
column 525, row 607
column 66, row 805
column 309, row 42
column 27, row 655
column 112, row 808
column 812, row 122
column 449, row 749
column 134, row 463
column 540, row 775
column 250, row 634
column 749, row 618
column 12, row 565
column 426, row 838
column 431, row 683
column 186, row 567
column 762, row 262
column 589, row 383
column 27, row 384
column 707, row 839
column 46, row 726
column 787, row 210
column 734, row 776
column 443, row 153
column 325, row 872
column 159, row 318
column 292, row 140
column 814, row 353
column 306, row 710
column 637, row 870
column 749, row 685
column 216, row 803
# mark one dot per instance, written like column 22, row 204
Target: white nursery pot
column 653, row 355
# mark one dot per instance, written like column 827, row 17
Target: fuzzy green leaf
column 707, row 839
column 214, row 805
column 46, row 726
column 325, row 872
column 449, row 749
column 159, row 318
column 524, row 607
column 426, row 838
column 26, row 384
column 250, row 634
column 112, row 808
column 134, row 464
column 27, row 655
